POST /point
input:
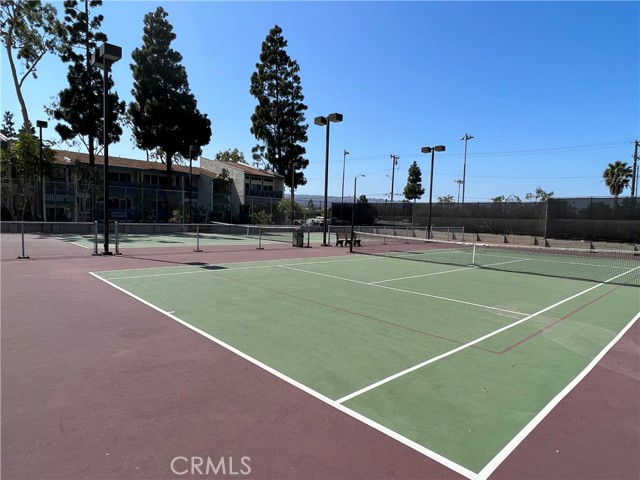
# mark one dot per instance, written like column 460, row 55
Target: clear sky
column 549, row 90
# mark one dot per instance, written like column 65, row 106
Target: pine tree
column 79, row 106
column 8, row 128
column 278, row 122
column 413, row 190
column 164, row 112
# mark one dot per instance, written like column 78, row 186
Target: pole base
column 198, row 250
column 24, row 256
column 107, row 253
column 259, row 248
column 325, row 245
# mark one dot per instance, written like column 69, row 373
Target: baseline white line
column 323, row 398
column 535, row 421
column 467, row 345
column 420, row 276
column 339, row 259
column 446, row 299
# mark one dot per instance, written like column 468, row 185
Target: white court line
column 484, row 473
column 323, row 398
column 535, row 421
column 202, row 270
column 467, row 345
column 420, row 276
column 437, row 297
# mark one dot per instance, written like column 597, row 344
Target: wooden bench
column 344, row 239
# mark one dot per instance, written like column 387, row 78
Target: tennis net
column 610, row 266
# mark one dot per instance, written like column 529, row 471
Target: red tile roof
column 64, row 157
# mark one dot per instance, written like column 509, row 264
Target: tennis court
column 456, row 357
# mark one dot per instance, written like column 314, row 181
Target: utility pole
column 394, row 162
column 634, row 184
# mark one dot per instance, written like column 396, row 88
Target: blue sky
column 549, row 90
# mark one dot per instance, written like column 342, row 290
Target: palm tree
column 617, row 177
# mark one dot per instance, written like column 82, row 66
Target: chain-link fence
column 78, row 239
column 594, row 219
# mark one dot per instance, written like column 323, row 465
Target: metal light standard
column 464, row 169
column 42, row 124
column 103, row 58
column 191, row 148
column 394, row 162
column 322, row 121
column 432, row 151
column 353, row 211
column 459, row 182
column 344, row 158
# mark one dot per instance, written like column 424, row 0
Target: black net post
column 24, row 255
column 197, row 239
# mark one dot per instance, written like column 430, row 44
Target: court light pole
column 191, row 148
column 464, row 168
column 104, row 56
column 353, row 210
column 344, row 162
column 42, row 124
column 459, row 182
column 322, row 121
column 432, row 151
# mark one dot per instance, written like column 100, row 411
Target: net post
column 259, row 247
column 117, row 235
column 197, row 238
column 308, row 228
column 473, row 257
column 95, row 238
column 22, row 239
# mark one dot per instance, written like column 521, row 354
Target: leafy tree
column 29, row 30
column 363, row 199
column 164, row 112
column 289, row 208
column 261, row 218
column 617, row 177
column 225, row 181
column 510, row 198
column 446, row 199
column 414, row 190
column 8, row 128
column 20, row 170
column 232, row 156
column 79, row 107
column 539, row 196
column 278, row 121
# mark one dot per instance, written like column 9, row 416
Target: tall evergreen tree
column 79, row 106
column 29, row 30
column 164, row 112
column 278, row 121
column 413, row 190
column 8, row 128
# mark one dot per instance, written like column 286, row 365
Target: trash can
column 298, row 237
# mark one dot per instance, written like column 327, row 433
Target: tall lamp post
column 459, row 182
column 322, row 121
column 394, row 162
column 42, row 124
column 344, row 162
column 103, row 58
column 432, row 151
column 464, row 168
column 191, row 148
column 353, row 211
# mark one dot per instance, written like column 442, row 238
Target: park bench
column 344, row 238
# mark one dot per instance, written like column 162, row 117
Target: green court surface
column 453, row 361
